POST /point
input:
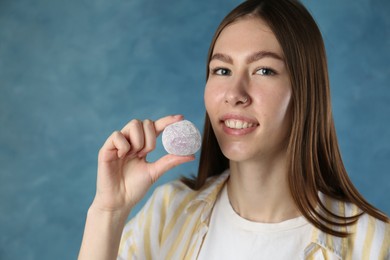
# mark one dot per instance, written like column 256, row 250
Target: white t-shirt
column 233, row 237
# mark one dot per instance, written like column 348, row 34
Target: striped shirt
column 174, row 222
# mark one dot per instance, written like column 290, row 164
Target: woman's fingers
column 160, row 124
column 166, row 163
column 136, row 138
column 150, row 138
column 153, row 129
column 142, row 134
column 134, row 133
column 116, row 146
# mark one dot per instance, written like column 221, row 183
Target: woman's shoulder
column 367, row 231
column 349, row 209
column 367, row 227
column 372, row 234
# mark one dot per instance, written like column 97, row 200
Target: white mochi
column 181, row 138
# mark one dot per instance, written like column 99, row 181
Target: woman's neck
column 260, row 192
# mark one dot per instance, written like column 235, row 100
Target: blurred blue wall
column 71, row 72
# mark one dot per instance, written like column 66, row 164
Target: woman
column 271, row 183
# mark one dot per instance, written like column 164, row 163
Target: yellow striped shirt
column 174, row 222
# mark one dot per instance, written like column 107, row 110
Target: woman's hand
column 124, row 175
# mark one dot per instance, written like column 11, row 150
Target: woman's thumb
column 166, row 163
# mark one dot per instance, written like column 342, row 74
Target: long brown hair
column 314, row 158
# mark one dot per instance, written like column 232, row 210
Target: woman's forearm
column 102, row 234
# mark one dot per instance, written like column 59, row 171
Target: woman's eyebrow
column 263, row 54
column 222, row 57
column 252, row 58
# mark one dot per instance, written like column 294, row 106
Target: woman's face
column 248, row 92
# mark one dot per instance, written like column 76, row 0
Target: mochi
column 181, row 138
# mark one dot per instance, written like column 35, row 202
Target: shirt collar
column 208, row 194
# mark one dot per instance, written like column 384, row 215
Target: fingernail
column 178, row 116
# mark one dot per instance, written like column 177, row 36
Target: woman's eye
column 221, row 71
column 265, row 72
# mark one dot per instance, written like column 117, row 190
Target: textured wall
column 71, row 72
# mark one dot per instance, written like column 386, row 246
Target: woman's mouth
column 238, row 124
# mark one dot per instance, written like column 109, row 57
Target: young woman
column 271, row 182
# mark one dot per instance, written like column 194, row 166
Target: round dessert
column 181, row 138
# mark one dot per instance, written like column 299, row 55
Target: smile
column 238, row 124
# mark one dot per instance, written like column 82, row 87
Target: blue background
column 71, row 72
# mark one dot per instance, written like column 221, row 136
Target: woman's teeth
column 238, row 124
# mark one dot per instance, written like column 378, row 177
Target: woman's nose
column 237, row 94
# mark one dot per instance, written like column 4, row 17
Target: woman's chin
column 236, row 155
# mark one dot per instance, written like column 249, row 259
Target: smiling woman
column 255, row 73
column 270, row 176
